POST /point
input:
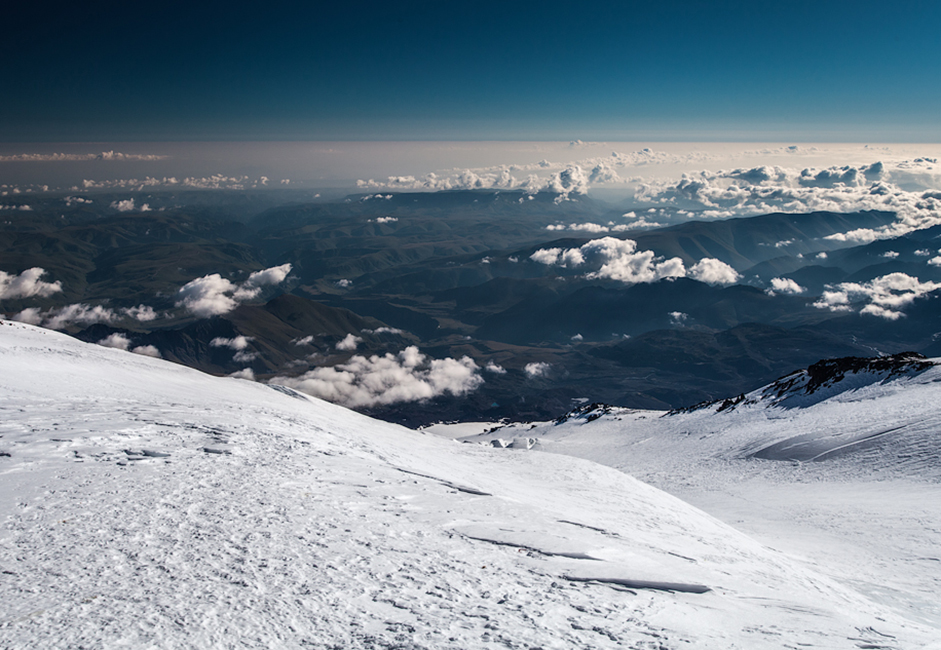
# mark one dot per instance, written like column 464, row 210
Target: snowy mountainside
column 839, row 464
column 146, row 504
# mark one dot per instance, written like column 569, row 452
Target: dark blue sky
column 668, row 70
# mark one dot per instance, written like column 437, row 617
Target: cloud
column 495, row 368
column 578, row 338
column 142, row 313
column 678, row 318
column 75, row 314
column 343, row 283
column 887, row 295
column 244, row 373
column 383, row 219
column 408, row 376
column 537, row 369
column 384, row 330
column 237, row 343
column 147, row 351
column 127, row 205
column 209, row 295
column 77, row 157
column 784, row 285
column 349, row 343
column 619, row 259
column 306, row 340
column 252, row 287
column 935, row 261
column 890, row 254
column 116, row 340
column 27, row 285
column 713, row 271
column 906, row 188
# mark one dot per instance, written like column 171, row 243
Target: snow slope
column 144, row 504
column 839, row 465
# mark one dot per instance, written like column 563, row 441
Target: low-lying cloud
column 886, row 295
column 213, row 295
column 408, row 376
column 27, row 285
column 619, row 259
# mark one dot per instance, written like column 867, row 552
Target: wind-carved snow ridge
column 145, row 504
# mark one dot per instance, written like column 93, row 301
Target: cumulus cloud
column 619, row 259
column 713, row 271
column 890, row 254
column 935, row 261
column 678, row 317
column 537, row 369
column 212, row 295
column 343, row 283
column 784, row 285
column 578, row 338
column 886, row 295
column 27, row 285
column 408, row 376
column 253, row 286
column 495, row 368
column 383, row 219
column 147, row 351
column 244, row 373
column 305, row 340
column 127, row 205
column 349, row 343
column 142, row 313
column 116, row 340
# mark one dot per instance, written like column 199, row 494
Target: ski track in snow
column 144, row 504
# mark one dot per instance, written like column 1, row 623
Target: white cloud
column 408, row 376
column 142, row 313
column 349, row 343
column 890, row 254
column 237, row 343
column 383, row 219
column 209, row 295
column 77, row 314
column 244, row 357
column 495, row 368
column 821, row 256
column 73, row 157
column 678, row 317
column 30, row 315
column 578, row 338
column 127, row 205
column 923, row 252
column 343, row 283
column 116, row 340
column 147, row 351
column 887, row 295
column 306, row 340
column 244, row 373
column 935, row 261
column 619, row 259
column 784, row 285
column 384, row 330
column 537, row 369
column 27, row 285
column 252, row 287
column 713, row 271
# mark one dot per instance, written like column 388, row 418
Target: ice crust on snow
column 321, row 527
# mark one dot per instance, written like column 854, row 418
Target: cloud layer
column 408, row 376
column 885, row 296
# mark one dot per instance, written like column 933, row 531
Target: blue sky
column 669, row 70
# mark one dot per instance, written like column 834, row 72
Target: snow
column 847, row 479
column 144, row 504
